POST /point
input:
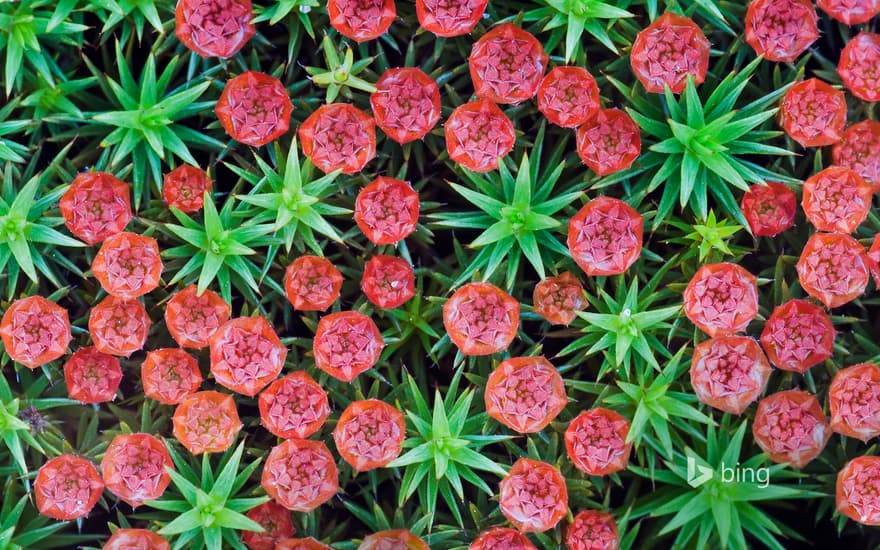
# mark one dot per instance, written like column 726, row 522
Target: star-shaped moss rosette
column 568, row 19
column 27, row 235
column 21, row 526
column 702, row 143
column 26, row 29
column 710, row 239
column 12, row 150
column 132, row 17
column 289, row 197
column 219, row 247
column 716, row 12
column 660, row 408
column 708, row 510
column 624, row 328
column 205, row 505
column 142, row 124
column 341, row 72
column 443, row 451
column 519, row 216
column 24, row 425
column 290, row 10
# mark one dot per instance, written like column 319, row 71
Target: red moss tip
column 668, row 51
column 850, row 12
column 605, row 236
column 96, row 206
column 346, row 344
column 67, row 487
column 312, row 283
column 595, row 442
column 276, row 522
column 119, row 326
column 35, row 331
column 254, row 108
column 769, row 209
column 854, row 401
column 797, row 336
column 369, row 434
column 479, row 135
column 592, row 530
column 781, row 30
column 294, row 406
column 387, row 210
column 301, row 544
column 525, row 394
column 481, row 319
column 92, row 376
column 406, row 104
column 729, row 372
column 568, row 96
column 361, row 20
column 859, row 65
column 128, row 265
column 813, row 113
column 790, row 427
column 450, row 18
column 388, row 282
column 501, row 538
column 394, row 539
column 874, row 259
column 184, row 188
column 170, row 374
column 300, row 474
column 558, row 298
column 859, row 150
column 339, row 136
column 192, row 318
column 609, row 142
column 858, row 490
column 134, row 466
column 721, row 299
column 533, row 496
column 214, row 28
column 136, row 539
column 246, row 354
column 833, row 268
column 507, row 64
column 206, row 422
